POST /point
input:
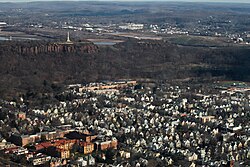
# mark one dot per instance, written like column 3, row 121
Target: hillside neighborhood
column 128, row 123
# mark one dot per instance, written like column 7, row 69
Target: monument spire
column 68, row 39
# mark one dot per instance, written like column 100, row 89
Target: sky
column 232, row 1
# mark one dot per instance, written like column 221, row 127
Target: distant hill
column 20, row 72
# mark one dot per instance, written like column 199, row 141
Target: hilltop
column 132, row 59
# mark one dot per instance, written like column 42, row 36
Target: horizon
column 194, row 1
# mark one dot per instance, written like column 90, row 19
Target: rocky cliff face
column 57, row 48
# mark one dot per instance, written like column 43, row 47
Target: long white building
column 2, row 24
column 132, row 26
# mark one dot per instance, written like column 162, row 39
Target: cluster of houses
column 156, row 124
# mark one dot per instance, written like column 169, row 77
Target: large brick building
column 104, row 145
column 22, row 140
column 87, row 137
column 87, row 147
column 58, row 148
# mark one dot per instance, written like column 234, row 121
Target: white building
column 3, row 24
column 132, row 26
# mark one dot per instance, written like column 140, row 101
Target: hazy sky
column 232, row 1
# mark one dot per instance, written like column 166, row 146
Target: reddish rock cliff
column 58, row 48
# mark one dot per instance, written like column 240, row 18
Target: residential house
column 104, row 145
column 125, row 154
column 39, row 159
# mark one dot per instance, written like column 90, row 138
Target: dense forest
column 31, row 71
